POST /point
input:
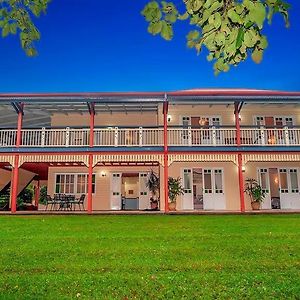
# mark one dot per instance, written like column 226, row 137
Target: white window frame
column 213, row 181
column 275, row 116
column 75, row 182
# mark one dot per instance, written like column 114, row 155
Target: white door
column 263, row 180
column 144, row 198
column 115, row 191
column 213, row 194
column 186, row 132
column 187, row 197
column 289, row 188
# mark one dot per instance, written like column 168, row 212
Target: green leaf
column 155, row 28
column 257, row 55
column 240, row 38
column 166, row 31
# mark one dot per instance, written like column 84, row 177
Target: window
column 73, row 183
column 207, row 182
column 263, row 180
column 294, row 181
column 218, row 182
column 187, row 180
column 283, row 181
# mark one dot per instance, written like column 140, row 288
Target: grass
column 150, row 257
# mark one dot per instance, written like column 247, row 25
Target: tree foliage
column 16, row 18
column 231, row 30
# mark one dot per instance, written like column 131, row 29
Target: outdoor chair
column 49, row 201
column 79, row 202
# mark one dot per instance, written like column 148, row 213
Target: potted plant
column 175, row 189
column 153, row 186
column 255, row 192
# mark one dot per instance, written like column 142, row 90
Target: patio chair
column 79, row 202
column 49, row 201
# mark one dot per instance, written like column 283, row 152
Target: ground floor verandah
column 212, row 182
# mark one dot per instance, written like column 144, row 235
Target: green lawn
column 150, row 257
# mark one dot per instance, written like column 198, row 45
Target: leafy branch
column 231, row 30
column 16, row 18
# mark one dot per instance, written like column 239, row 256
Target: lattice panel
column 202, row 158
column 127, row 158
column 271, row 157
column 54, row 158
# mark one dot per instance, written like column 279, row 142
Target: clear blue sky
column 93, row 45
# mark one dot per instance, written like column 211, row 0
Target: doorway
column 198, row 189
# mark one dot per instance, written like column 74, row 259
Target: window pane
column 187, row 180
column 283, row 180
column 263, row 180
column 294, row 180
column 207, row 181
column 218, row 181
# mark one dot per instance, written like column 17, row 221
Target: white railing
column 270, row 136
column 8, row 137
column 147, row 137
column 128, row 137
column 55, row 137
column 202, row 137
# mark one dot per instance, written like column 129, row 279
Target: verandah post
column 37, row 194
column 240, row 159
column 15, row 173
column 166, row 167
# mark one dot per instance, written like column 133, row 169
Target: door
column 264, row 181
column 197, row 188
column 274, row 188
column 289, row 188
column 186, row 131
column 115, row 191
column 213, row 194
column 187, row 197
column 144, row 199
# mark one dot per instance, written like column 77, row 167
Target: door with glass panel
column 213, row 192
column 264, row 181
column 275, row 129
column 115, row 191
column 187, row 197
column 289, row 188
column 144, row 200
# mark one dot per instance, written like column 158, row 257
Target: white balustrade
column 8, row 137
column 147, row 137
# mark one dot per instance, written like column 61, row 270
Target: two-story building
column 103, row 145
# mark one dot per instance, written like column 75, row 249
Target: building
column 104, row 144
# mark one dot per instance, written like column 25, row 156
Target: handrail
column 151, row 137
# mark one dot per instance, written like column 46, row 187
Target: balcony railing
column 151, row 137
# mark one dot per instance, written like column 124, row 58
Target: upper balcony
column 134, row 121
column 145, row 137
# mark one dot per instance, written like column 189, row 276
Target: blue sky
column 93, row 45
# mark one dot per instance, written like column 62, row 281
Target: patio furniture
column 49, row 201
column 80, row 202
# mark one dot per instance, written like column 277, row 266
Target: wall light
column 169, row 118
column 103, row 174
column 243, row 168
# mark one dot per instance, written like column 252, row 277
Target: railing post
column 43, row 137
column 116, row 136
column 67, row 136
column 214, row 138
column 141, row 136
column 262, row 135
column 190, row 136
column 286, row 135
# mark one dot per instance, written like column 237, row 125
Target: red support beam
column 19, row 127
column 37, row 194
column 241, row 182
column 14, row 185
column 166, row 167
column 240, row 159
column 92, row 124
column 15, row 175
column 90, row 185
